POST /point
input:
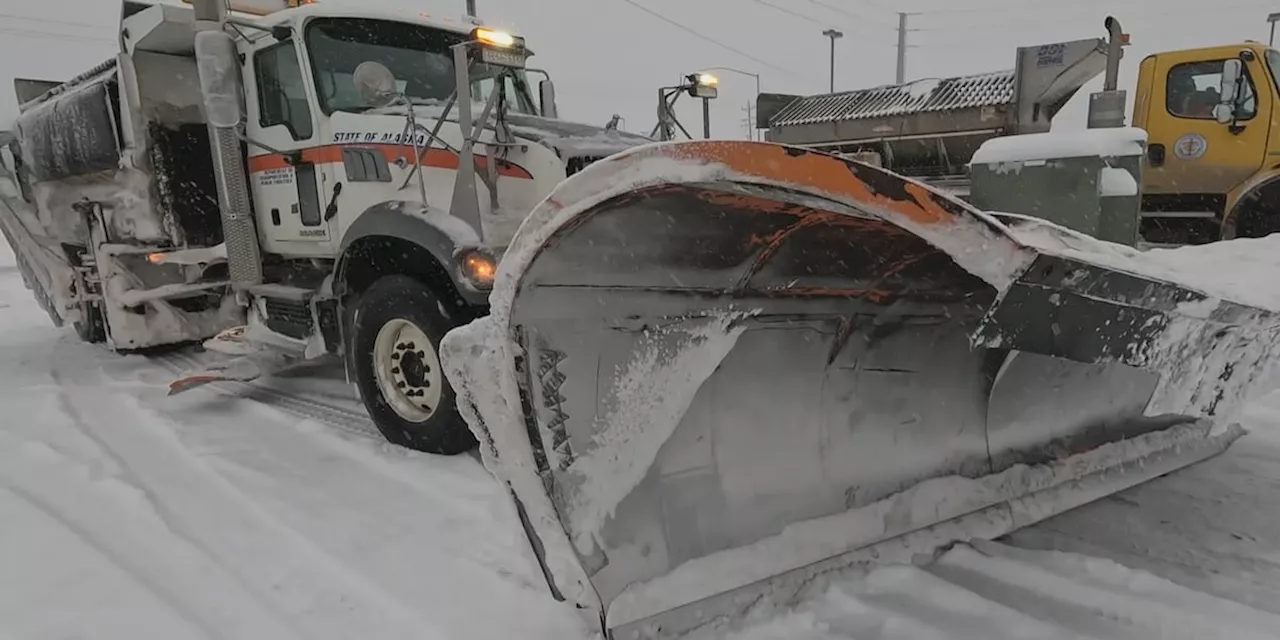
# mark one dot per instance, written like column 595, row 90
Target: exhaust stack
column 219, row 72
column 1106, row 107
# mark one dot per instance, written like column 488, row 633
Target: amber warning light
column 479, row 268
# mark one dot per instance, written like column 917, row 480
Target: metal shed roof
column 981, row 90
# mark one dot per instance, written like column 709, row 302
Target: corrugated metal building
column 931, row 128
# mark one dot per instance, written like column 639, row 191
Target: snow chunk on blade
column 714, row 370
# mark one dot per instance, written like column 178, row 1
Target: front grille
column 291, row 318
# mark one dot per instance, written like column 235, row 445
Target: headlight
column 478, row 268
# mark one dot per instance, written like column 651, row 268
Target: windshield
column 418, row 56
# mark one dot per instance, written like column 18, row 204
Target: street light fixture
column 744, row 73
column 698, row 85
column 833, row 35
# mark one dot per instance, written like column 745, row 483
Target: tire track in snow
column 343, row 419
column 473, row 528
column 305, row 590
column 117, row 560
column 171, row 522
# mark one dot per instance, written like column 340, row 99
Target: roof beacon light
column 499, row 48
column 495, row 38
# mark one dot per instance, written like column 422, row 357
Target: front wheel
column 395, row 340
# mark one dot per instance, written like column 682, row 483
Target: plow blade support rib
column 713, row 370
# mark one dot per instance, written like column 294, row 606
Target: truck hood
column 571, row 139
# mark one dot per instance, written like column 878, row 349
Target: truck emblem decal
column 1051, row 55
column 313, row 233
column 1190, row 146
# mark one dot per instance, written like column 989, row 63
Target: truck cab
column 317, row 142
column 387, row 162
column 1213, row 152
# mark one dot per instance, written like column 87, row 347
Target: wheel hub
column 407, row 370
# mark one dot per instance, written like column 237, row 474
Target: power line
column 851, row 14
column 1021, row 6
column 48, row 35
column 1095, row 5
column 1015, row 22
column 701, row 36
column 64, row 23
column 801, row 16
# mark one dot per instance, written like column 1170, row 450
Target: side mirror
column 282, row 32
column 547, row 97
column 1225, row 111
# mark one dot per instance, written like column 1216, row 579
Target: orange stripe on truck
column 434, row 158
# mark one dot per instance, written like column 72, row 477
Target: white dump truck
column 314, row 177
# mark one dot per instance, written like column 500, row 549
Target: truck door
column 1189, row 152
column 287, row 179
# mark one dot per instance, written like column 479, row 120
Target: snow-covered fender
column 1245, row 194
column 439, row 233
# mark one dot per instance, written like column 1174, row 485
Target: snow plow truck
column 709, row 372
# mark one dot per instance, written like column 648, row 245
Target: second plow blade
column 716, row 370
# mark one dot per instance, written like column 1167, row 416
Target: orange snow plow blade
column 715, row 370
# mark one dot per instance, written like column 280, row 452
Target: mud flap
column 712, row 369
column 248, row 361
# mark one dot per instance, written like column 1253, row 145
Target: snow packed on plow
column 269, row 510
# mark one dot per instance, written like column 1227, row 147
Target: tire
column 390, row 318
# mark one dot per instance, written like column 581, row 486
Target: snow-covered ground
column 275, row 512
column 128, row 514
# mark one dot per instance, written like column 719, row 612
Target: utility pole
column 902, row 47
column 834, row 35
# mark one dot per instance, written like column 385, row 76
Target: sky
column 610, row 56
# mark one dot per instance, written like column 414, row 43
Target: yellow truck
column 1212, row 164
column 1213, row 149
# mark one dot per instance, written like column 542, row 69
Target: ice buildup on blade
column 907, row 367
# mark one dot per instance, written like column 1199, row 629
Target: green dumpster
column 1086, row 180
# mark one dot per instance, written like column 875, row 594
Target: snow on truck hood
column 572, row 139
column 569, row 139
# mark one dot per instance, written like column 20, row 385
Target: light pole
column 834, row 35
column 1273, row 19
column 744, row 73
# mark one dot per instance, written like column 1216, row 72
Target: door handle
column 332, row 210
column 1155, row 154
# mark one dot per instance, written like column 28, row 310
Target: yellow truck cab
column 1213, row 152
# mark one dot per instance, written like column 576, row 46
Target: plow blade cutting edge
column 715, row 370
